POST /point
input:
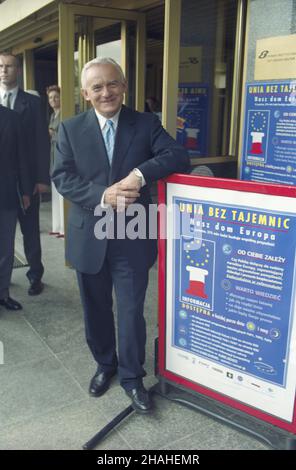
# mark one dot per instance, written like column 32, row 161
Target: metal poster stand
column 263, row 418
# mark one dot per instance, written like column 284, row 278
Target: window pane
column 206, row 75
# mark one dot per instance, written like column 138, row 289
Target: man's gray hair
column 101, row 61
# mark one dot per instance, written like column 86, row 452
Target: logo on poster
column 263, row 54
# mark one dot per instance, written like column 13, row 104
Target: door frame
column 67, row 15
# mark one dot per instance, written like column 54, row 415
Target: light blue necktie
column 109, row 138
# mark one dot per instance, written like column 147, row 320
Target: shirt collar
column 13, row 92
column 102, row 119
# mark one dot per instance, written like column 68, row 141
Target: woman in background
column 53, row 93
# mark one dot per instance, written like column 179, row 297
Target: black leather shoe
column 100, row 383
column 36, row 288
column 140, row 399
column 10, row 304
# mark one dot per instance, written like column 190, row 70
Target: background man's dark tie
column 7, row 98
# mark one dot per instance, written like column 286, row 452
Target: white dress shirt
column 102, row 122
column 13, row 93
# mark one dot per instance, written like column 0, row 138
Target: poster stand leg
column 94, row 441
column 97, row 438
column 272, row 435
column 275, row 437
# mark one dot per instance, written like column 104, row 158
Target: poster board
column 227, row 326
column 193, row 118
column 269, row 134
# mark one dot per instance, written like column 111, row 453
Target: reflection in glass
column 206, row 76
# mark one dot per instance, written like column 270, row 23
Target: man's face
column 8, row 71
column 104, row 89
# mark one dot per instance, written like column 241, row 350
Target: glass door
column 206, row 65
column 105, row 37
column 87, row 32
column 84, row 33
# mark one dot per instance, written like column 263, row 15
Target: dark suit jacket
column 13, row 164
column 36, row 136
column 82, row 173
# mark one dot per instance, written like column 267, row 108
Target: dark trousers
column 8, row 220
column 96, row 294
column 30, row 228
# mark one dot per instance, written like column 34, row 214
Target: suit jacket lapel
column 124, row 136
column 94, row 142
column 20, row 102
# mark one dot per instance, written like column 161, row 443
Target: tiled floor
column 44, row 402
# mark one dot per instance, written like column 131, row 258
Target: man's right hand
column 120, row 198
column 26, row 201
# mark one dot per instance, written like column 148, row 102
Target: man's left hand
column 131, row 182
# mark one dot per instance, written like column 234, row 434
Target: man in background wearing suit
column 106, row 153
column 14, row 183
column 37, row 147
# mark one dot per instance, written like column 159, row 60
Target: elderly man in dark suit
column 38, row 148
column 105, row 155
column 14, row 184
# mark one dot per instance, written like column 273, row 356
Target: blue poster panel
column 269, row 140
column 232, row 305
column 192, row 118
column 245, row 291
